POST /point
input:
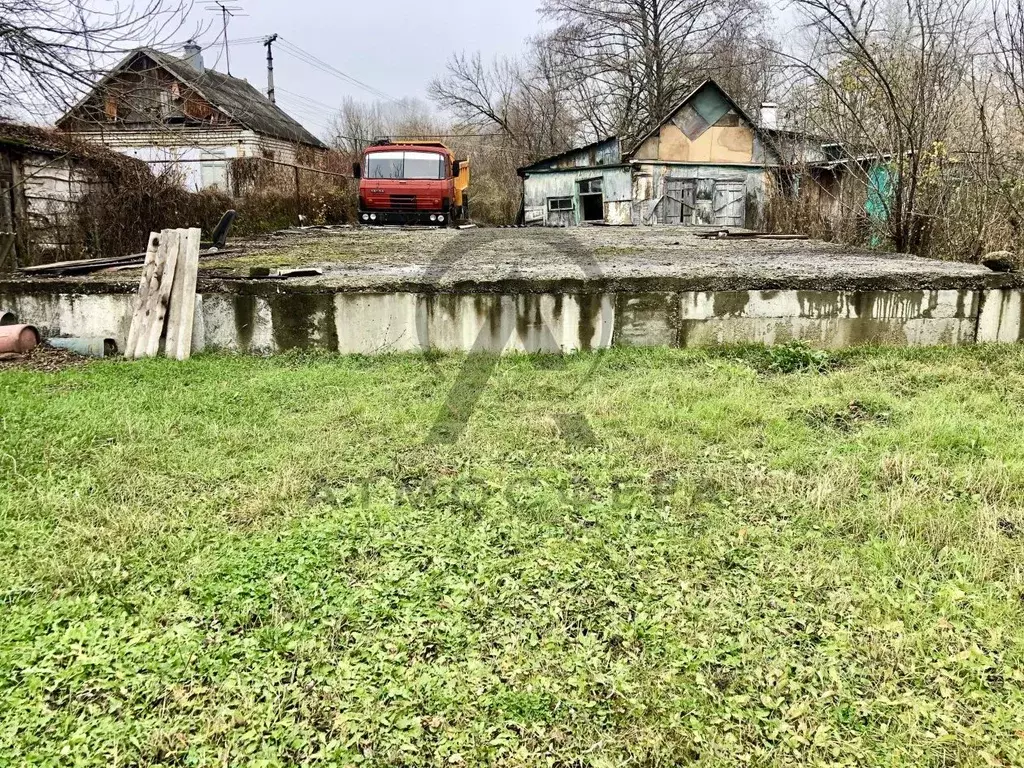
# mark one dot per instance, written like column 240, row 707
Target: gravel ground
column 602, row 258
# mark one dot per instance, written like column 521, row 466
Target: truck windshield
column 404, row 165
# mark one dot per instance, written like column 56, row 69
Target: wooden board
column 148, row 270
column 181, row 314
column 160, row 299
column 154, row 296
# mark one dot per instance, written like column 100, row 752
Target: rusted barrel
column 7, row 318
column 18, row 338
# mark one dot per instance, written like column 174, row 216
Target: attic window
column 175, row 91
column 110, row 107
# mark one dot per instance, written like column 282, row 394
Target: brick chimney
column 194, row 56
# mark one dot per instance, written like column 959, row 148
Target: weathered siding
column 660, row 194
column 717, row 144
column 540, row 187
column 41, row 190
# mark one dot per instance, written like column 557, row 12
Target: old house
column 159, row 107
column 706, row 164
column 43, row 176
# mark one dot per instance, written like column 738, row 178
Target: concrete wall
column 370, row 323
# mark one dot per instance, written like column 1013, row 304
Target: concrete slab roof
column 535, row 260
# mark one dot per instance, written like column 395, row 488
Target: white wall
column 201, row 157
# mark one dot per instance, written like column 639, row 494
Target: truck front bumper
column 423, row 218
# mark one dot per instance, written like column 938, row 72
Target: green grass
column 241, row 561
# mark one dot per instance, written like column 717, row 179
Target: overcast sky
column 395, row 46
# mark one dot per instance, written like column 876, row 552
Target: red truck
column 412, row 182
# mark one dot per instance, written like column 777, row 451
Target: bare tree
column 632, row 61
column 358, row 124
column 888, row 79
column 999, row 98
column 51, row 50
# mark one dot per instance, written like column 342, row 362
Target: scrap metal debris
column 265, row 272
column 726, row 234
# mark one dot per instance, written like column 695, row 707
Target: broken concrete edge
column 383, row 283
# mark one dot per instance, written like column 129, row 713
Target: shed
column 43, row 174
column 590, row 184
column 705, row 164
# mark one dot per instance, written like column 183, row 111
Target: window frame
column 571, row 206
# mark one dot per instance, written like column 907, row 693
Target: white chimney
column 194, row 56
column 769, row 115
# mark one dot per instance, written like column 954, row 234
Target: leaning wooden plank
column 182, row 312
column 148, row 270
column 161, row 298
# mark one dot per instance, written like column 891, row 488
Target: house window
column 559, row 203
column 110, row 107
column 590, row 187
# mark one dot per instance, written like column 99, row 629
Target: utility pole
column 269, row 42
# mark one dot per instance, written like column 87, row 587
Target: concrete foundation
column 548, row 290
column 376, row 323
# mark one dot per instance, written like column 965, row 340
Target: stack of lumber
column 167, row 296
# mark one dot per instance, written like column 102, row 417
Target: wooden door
column 679, row 202
column 703, row 210
column 730, row 204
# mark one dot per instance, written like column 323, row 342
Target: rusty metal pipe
column 18, row 338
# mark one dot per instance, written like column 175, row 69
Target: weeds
column 791, row 357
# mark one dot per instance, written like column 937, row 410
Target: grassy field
column 645, row 558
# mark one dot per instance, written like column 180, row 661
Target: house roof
column 568, row 153
column 729, row 99
column 231, row 95
column 47, row 141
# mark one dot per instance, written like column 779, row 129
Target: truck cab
column 411, row 183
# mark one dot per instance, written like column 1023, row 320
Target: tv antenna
column 227, row 12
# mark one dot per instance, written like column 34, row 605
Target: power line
column 323, row 66
column 312, row 102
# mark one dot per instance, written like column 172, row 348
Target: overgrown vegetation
column 258, row 562
column 115, row 218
